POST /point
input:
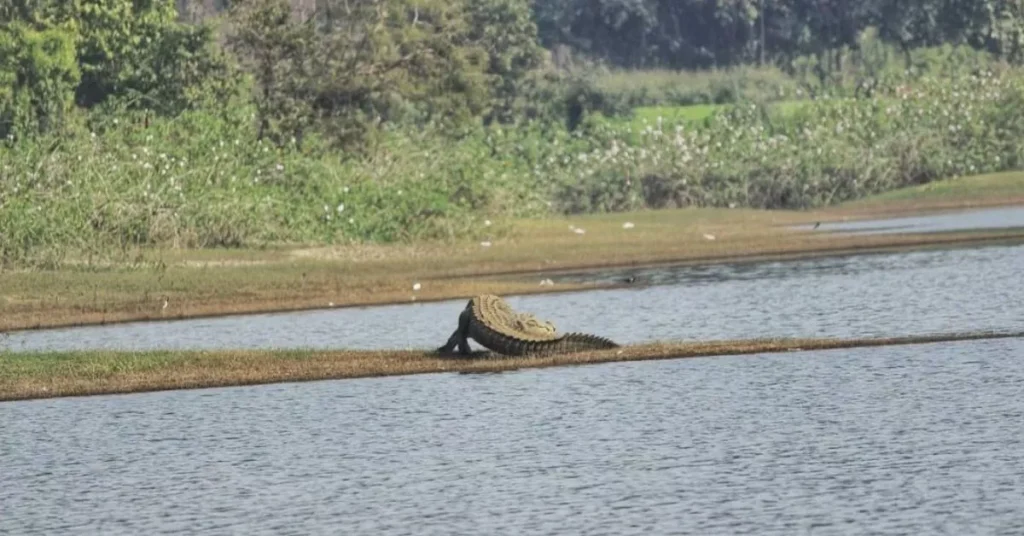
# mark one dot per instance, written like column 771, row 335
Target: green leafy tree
column 505, row 30
column 353, row 64
column 993, row 25
column 278, row 51
column 118, row 38
column 131, row 49
column 38, row 76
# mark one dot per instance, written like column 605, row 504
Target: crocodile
column 490, row 321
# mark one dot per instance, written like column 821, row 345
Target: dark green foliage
column 119, row 38
column 506, row 32
column 698, row 34
column 352, row 65
column 130, row 51
column 38, row 76
column 279, row 52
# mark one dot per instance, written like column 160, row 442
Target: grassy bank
column 214, row 282
column 121, row 184
column 965, row 192
column 44, row 375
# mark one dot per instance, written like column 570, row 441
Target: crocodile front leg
column 459, row 337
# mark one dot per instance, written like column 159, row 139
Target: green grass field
column 694, row 115
column 1009, row 184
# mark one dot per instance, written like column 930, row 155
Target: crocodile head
column 528, row 324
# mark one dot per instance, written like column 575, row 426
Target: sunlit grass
column 694, row 115
column 671, row 114
column 976, row 189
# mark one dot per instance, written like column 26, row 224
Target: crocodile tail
column 575, row 342
column 568, row 343
column 571, row 342
column 503, row 344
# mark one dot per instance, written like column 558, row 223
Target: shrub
column 825, row 152
column 38, row 76
column 686, row 88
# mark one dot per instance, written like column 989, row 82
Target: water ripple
column 911, row 439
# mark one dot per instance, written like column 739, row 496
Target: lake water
column 898, row 440
column 895, row 294
column 960, row 220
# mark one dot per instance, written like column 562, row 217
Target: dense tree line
column 339, row 63
column 345, row 64
column 688, row 34
column 691, row 34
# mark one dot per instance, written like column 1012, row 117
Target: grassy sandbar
column 58, row 374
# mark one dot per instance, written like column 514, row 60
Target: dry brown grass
column 29, row 376
column 215, row 283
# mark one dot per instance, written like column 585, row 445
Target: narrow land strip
column 61, row 374
column 63, row 299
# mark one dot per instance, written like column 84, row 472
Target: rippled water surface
column 924, row 439
column 854, row 296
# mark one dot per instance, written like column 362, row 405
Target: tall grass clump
column 875, row 65
column 661, row 87
column 202, row 181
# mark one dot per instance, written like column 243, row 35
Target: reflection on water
column 855, row 296
column 967, row 220
column 901, row 440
